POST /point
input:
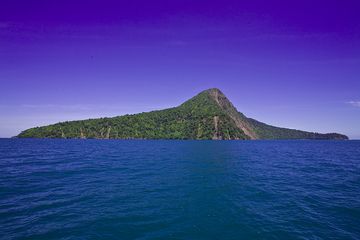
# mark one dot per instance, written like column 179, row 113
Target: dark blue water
column 99, row 189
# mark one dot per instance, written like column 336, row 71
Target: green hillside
column 209, row 115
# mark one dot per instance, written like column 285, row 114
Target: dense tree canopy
column 201, row 117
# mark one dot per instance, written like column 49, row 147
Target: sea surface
column 142, row 189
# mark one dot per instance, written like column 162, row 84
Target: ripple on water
column 93, row 189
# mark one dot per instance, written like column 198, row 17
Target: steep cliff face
column 208, row 115
column 239, row 119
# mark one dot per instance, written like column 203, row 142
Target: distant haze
column 288, row 64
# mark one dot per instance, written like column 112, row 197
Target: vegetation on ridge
column 193, row 119
column 209, row 115
column 266, row 131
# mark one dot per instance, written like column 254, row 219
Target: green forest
column 201, row 117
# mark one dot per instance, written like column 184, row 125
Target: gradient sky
column 288, row 63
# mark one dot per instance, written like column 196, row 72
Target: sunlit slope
column 208, row 115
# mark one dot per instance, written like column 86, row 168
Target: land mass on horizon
column 208, row 115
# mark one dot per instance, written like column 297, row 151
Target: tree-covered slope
column 266, row 131
column 209, row 115
column 198, row 118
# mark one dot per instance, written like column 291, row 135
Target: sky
column 293, row 64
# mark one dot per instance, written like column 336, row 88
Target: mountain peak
column 219, row 97
column 213, row 90
column 239, row 119
column 214, row 93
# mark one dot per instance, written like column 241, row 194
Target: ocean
column 144, row 189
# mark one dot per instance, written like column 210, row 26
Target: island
column 207, row 116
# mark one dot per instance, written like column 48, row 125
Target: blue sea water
column 119, row 189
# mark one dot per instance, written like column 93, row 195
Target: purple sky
column 289, row 64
